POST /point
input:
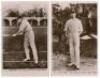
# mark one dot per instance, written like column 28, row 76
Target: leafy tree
column 13, row 13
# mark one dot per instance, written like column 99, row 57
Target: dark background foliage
column 60, row 16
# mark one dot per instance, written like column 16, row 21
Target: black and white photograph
column 24, row 25
column 74, row 27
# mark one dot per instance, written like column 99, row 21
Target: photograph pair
column 25, row 36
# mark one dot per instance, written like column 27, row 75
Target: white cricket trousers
column 29, row 40
column 74, row 44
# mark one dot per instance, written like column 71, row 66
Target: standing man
column 73, row 29
column 26, row 29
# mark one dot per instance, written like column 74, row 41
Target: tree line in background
column 32, row 12
column 86, row 12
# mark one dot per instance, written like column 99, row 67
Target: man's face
column 19, row 21
column 73, row 15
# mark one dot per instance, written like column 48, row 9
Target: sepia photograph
column 24, row 25
column 74, row 38
column 49, row 38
